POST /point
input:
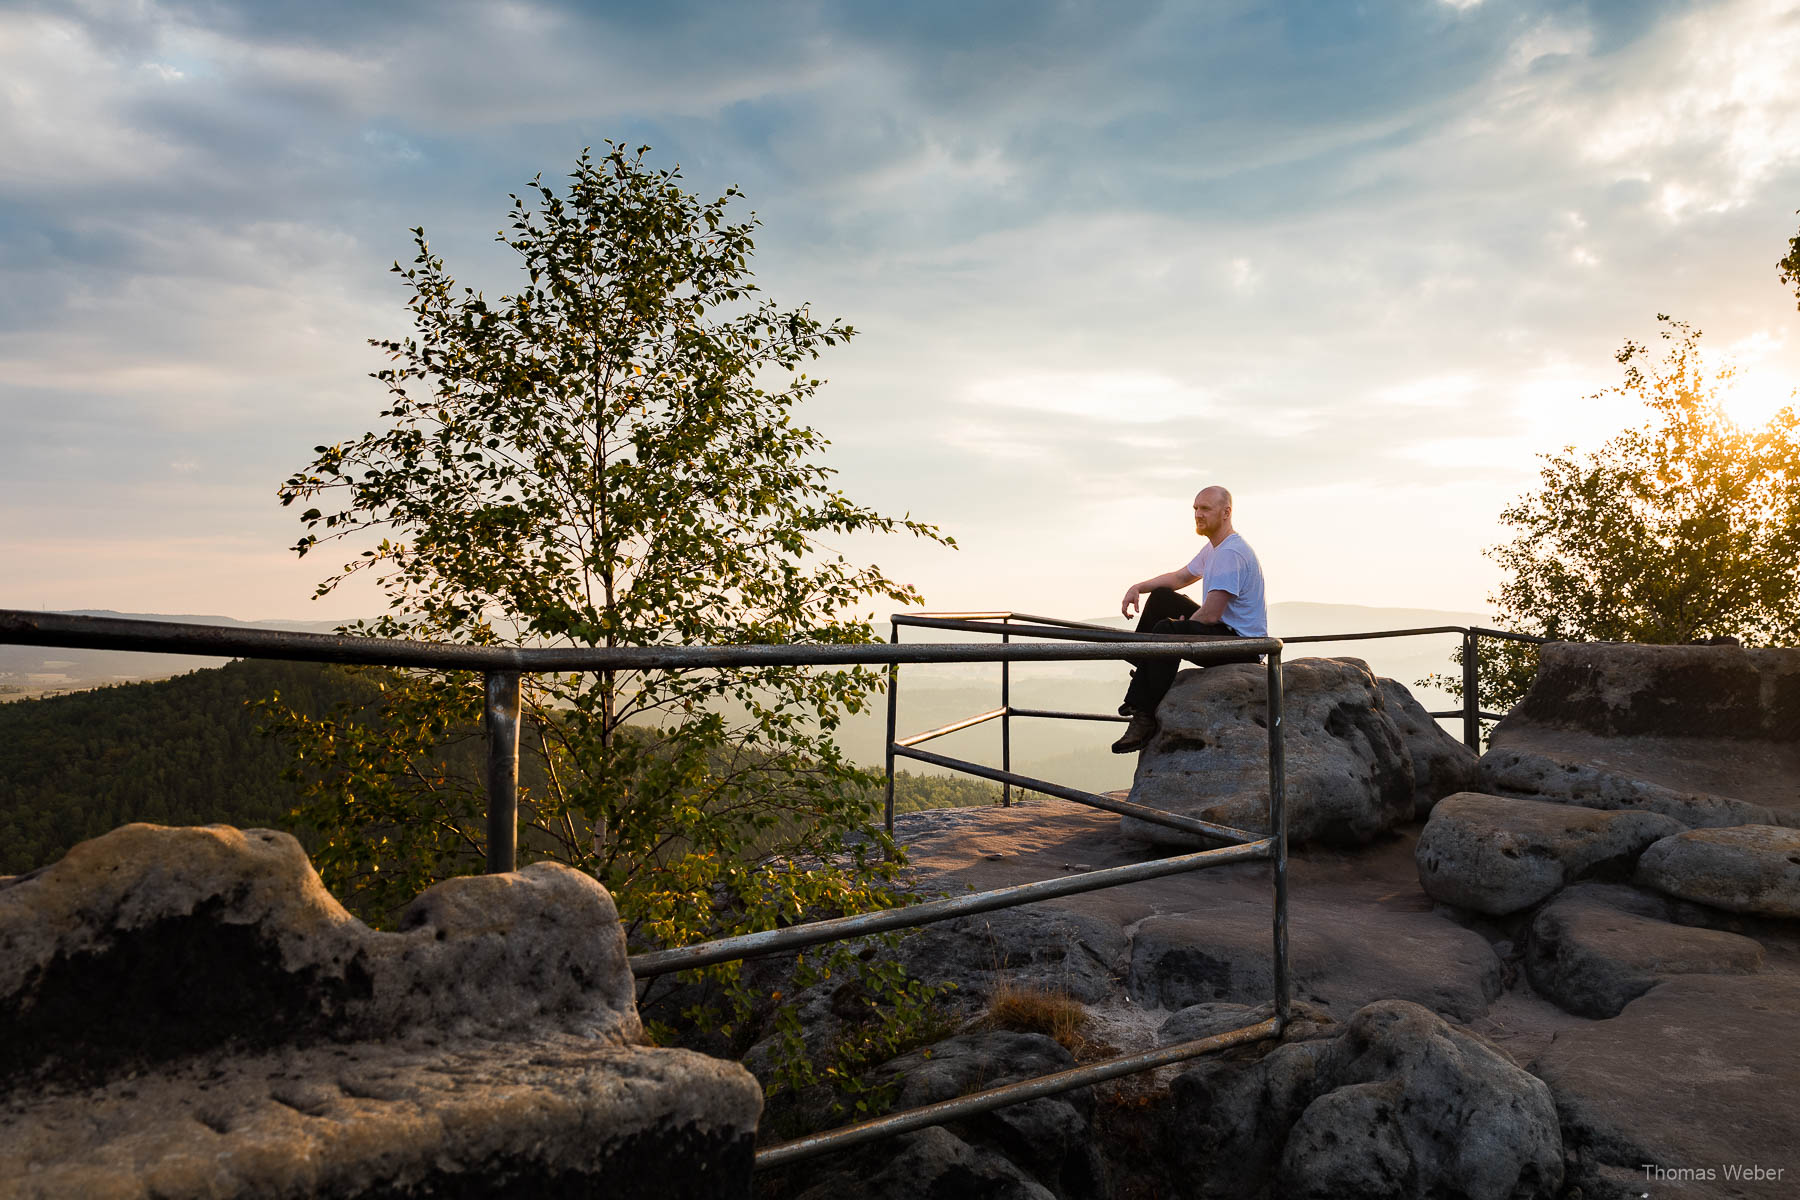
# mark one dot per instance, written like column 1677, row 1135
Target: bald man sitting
column 1231, row 605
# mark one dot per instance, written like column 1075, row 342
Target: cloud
column 1336, row 255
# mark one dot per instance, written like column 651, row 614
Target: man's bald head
column 1218, row 495
column 1212, row 513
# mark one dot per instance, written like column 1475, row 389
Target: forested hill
column 181, row 751
column 185, row 751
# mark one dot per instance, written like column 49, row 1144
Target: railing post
column 501, row 717
column 1471, row 665
column 893, row 698
column 1005, row 717
column 1278, row 831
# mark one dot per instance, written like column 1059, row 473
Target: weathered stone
column 1348, row 771
column 1747, row 868
column 1611, row 726
column 549, row 1114
column 189, row 1012
column 1626, row 690
column 1441, row 765
column 1592, row 957
column 1611, row 774
column 1498, row 855
column 1197, row 1021
column 1049, row 1138
column 1702, row 1072
column 1400, row 1104
column 931, row 1163
column 1047, row 948
column 1340, row 960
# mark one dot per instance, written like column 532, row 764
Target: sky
column 1360, row 263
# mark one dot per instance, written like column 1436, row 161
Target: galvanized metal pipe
column 796, row 937
column 501, row 718
column 1376, row 633
column 1067, row 716
column 1471, row 683
column 25, row 628
column 1005, row 720
column 941, row 730
column 1124, row 808
column 1278, row 835
column 928, row 618
column 893, row 700
column 1013, row 1093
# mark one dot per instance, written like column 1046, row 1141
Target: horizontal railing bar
column 1124, row 808
column 919, row 618
column 795, row 937
column 1459, row 713
column 1096, row 633
column 941, row 730
column 1374, row 633
column 1510, row 636
column 966, row 625
column 119, row 633
column 1065, row 716
column 1488, row 716
column 1013, row 1093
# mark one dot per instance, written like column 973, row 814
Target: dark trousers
column 1165, row 611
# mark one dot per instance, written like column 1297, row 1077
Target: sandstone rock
column 1441, row 765
column 1349, row 773
column 1400, row 1104
column 1499, row 856
column 189, row 1012
column 930, row 1163
column 1699, row 1072
column 1050, row 1138
column 1709, row 735
column 1592, row 957
column 1748, row 868
column 1339, row 960
column 1035, row 947
column 1624, row 773
column 1197, row 1021
column 1623, row 689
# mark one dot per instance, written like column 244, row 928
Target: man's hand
column 1130, row 604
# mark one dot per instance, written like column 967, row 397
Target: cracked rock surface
column 191, row 1013
column 1349, row 768
column 1499, row 855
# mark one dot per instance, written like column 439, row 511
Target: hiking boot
column 1141, row 730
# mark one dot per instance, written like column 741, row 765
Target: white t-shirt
column 1231, row 566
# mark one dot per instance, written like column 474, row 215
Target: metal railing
column 502, row 667
column 1010, row 624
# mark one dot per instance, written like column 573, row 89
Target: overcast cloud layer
column 1359, row 263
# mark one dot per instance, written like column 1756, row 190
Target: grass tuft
column 1023, row 1009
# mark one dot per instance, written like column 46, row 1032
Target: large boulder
column 1597, row 947
column 1400, row 1104
column 1349, row 774
column 1498, row 855
column 1036, row 1148
column 1441, row 765
column 189, row 1012
column 1746, row 868
column 1692, row 1091
column 1049, row 949
column 1340, row 958
column 1709, row 735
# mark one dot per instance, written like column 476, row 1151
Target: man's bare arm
column 1179, row 578
column 1212, row 610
